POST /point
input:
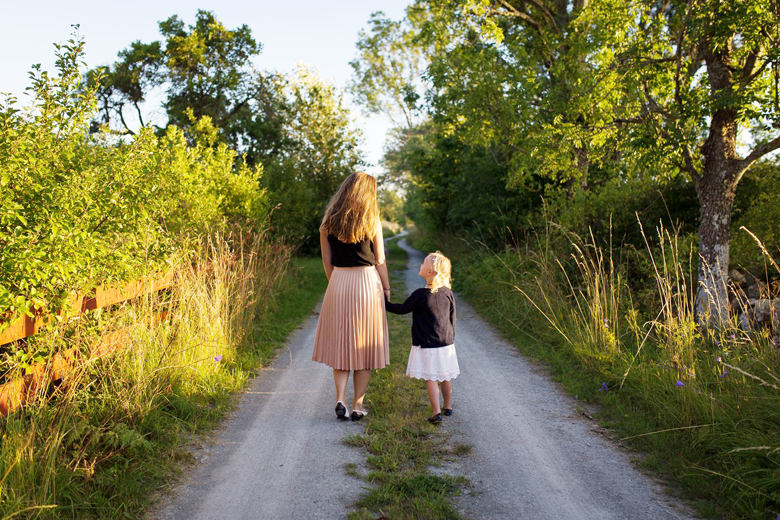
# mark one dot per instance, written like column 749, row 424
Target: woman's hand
column 387, row 294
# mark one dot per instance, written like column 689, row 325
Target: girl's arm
column 325, row 250
column 405, row 307
column 453, row 316
column 381, row 263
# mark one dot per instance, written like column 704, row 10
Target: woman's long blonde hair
column 442, row 266
column 352, row 214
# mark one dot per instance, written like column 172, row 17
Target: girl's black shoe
column 447, row 411
column 341, row 410
column 357, row 415
column 436, row 419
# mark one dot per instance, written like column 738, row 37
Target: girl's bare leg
column 433, row 395
column 446, row 392
column 360, row 380
column 341, row 378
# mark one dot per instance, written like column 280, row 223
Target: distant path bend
column 533, row 457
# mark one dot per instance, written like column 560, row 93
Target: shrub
column 80, row 208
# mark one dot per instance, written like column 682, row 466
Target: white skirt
column 433, row 364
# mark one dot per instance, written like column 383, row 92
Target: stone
column 767, row 311
column 756, row 290
column 737, row 277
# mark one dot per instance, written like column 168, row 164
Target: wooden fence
column 16, row 392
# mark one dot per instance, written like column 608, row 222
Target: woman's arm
column 325, row 250
column 381, row 263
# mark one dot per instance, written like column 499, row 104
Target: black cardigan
column 433, row 316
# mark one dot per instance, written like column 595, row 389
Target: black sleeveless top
column 351, row 255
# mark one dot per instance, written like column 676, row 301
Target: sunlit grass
column 117, row 426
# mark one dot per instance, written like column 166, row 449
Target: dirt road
column 280, row 455
column 534, row 456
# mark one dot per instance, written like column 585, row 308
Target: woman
column 352, row 327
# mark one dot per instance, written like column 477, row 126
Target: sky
column 319, row 33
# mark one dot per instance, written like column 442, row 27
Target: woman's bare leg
column 446, row 392
column 341, row 378
column 360, row 380
column 433, row 395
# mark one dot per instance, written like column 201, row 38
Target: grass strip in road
column 401, row 444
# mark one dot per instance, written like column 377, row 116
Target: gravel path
column 533, row 455
column 281, row 455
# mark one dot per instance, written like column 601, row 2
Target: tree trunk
column 716, row 198
column 715, row 188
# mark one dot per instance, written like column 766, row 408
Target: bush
column 80, row 208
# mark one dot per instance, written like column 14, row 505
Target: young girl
column 433, row 332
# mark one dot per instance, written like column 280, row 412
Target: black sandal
column 435, row 419
column 341, row 410
column 447, row 411
column 358, row 414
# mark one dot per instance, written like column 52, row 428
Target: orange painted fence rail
column 18, row 391
column 102, row 297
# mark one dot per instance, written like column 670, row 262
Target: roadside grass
column 703, row 409
column 401, row 444
column 117, row 428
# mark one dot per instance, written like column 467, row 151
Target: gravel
column 281, row 454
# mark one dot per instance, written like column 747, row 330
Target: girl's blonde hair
column 352, row 214
column 442, row 267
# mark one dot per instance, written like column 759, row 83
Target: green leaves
column 80, row 208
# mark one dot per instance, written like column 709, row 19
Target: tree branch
column 750, row 62
column 546, row 12
column 759, row 152
column 653, row 106
column 511, row 11
column 690, row 167
column 122, row 118
column 140, row 117
column 748, row 79
column 678, row 57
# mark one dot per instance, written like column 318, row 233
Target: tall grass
column 704, row 406
column 148, row 372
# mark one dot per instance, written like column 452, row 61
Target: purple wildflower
column 217, row 359
column 717, row 342
column 719, row 359
column 732, row 336
column 679, row 383
column 604, row 388
column 724, row 374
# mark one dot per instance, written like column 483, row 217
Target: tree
column 322, row 151
column 388, row 71
column 568, row 90
column 520, row 77
column 707, row 71
column 205, row 70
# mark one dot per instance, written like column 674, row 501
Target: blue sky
column 321, row 34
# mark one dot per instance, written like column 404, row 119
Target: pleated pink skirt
column 352, row 327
